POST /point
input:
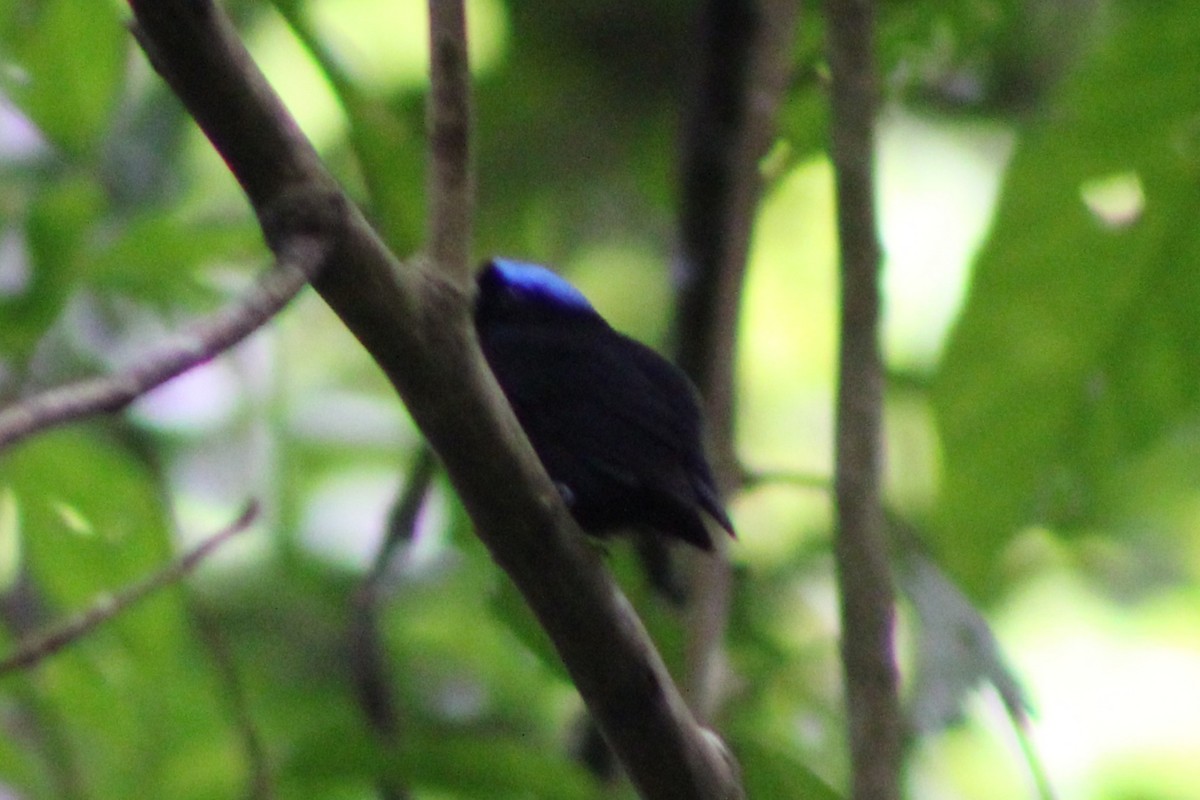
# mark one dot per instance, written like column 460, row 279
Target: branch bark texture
column 867, row 603
column 416, row 323
column 449, row 114
column 746, row 48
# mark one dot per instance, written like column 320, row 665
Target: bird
column 617, row 426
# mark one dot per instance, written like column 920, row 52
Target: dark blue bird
column 616, row 425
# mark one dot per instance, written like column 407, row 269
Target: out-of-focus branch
column 860, row 547
column 107, row 607
column 301, row 254
column 416, row 323
column 368, row 664
column 755, row 478
column 260, row 782
column 451, row 201
column 402, row 521
column 747, row 58
column 747, row 61
column 449, row 240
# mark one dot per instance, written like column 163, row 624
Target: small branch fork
column 415, row 322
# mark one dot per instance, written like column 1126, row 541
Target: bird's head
column 515, row 291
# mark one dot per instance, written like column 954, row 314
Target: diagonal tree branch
column 860, row 548
column 301, row 255
column 416, row 323
column 106, row 608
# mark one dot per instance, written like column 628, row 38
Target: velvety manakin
column 616, row 425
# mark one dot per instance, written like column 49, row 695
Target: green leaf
column 72, row 53
column 130, row 705
column 10, row 539
column 486, row 763
column 1079, row 338
column 57, row 229
column 384, row 137
column 156, row 256
column 93, row 518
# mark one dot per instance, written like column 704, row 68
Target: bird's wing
column 606, row 379
column 634, row 415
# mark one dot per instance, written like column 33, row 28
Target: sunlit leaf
column 10, row 538
column 1078, row 342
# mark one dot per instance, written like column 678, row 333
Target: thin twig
column 860, row 549
column 402, row 522
column 1033, row 760
column 108, row 606
column 296, row 264
column 756, row 478
column 369, row 668
column 449, row 122
column 368, row 661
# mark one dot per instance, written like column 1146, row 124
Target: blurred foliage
column 1076, row 352
column 1056, row 434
